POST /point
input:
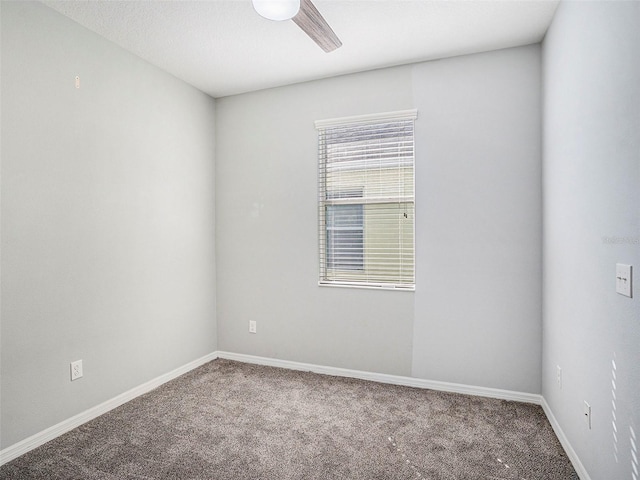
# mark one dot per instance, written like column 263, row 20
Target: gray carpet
column 230, row 420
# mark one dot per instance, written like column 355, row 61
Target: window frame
column 323, row 257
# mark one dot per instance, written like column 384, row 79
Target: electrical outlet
column 76, row 370
column 252, row 326
column 559, row 376
column 587, row 414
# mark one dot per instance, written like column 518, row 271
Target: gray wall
column 107, row 220
column 592, row 195
column 266, row 236
column 475, row 317
column 478, row 295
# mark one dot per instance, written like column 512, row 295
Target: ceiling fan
column 305, row 15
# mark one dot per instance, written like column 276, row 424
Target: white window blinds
column 366, row 201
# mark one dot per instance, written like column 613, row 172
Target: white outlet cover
column 252, row 326
column 76, row 370
column 623, row 279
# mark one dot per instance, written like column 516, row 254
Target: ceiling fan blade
column 313, row 24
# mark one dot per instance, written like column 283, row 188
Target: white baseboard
column 385, row 378
column 50, row 433
column 564, row 441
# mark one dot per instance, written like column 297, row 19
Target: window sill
column 369, row 286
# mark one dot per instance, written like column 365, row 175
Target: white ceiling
column 224, row 47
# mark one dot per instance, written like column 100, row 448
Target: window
column 345, row 237
column 345, row 232
column 366, row 201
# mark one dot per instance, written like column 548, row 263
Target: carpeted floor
column 230, row 420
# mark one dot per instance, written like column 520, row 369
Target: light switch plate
column 623, row 279
column 587, row 414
